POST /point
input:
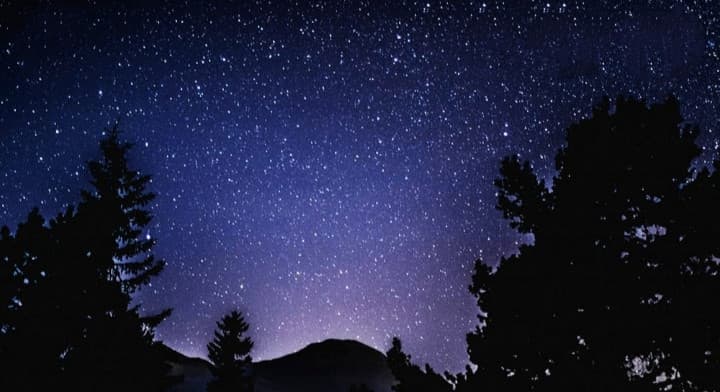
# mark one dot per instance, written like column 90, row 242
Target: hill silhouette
column 332, row 365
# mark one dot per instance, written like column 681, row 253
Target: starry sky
column 327, row 167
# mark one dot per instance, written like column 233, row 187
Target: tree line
column 616, row 291
column 619, row 288
column 67, row 317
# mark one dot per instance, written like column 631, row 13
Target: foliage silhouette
column 229, row 352
column 35, row 332
column 409, row 376
column 70, row 317
column 614, row 292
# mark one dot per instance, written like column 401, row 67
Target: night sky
column 327, row 168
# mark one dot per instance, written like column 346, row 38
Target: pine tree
column 229, row 353
column 121, row 199
column 117, row 351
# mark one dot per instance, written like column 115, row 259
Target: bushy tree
column 409, row 377
column 35, row 330
column 229, row 352
column 616, row 290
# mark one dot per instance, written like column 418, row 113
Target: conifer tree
column 229, row 352
column 121, row 200
column 67, row 321
column 112, row 221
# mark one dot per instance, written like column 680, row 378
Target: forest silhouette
column 67, row 319
column 615, row 291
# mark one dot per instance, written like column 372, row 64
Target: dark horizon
column 328, row 169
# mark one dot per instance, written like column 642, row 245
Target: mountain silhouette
column 332, row 365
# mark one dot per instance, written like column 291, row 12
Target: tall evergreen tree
column 118, row 344
column 229, row 352
column 120, row 199
column 615, row 292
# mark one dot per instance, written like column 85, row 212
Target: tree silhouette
column 409, row 377
column 70, row 318
column 112, row 218
column 121, row 199
column 613, row 293
column 28, row 345
column 9, row 283
column 229, row 352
